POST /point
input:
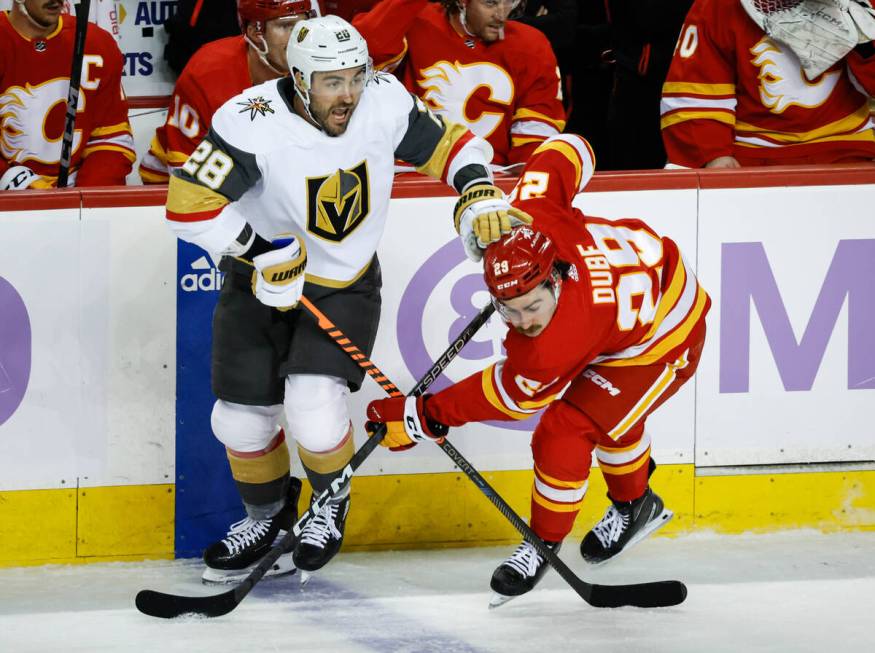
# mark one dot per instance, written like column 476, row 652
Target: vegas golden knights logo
column 337, row 204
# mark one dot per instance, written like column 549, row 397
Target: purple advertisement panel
column 15, row 350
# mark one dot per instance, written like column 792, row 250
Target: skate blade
column 499, row 600
column 284, row 565
column 305, row 577
column 661, row 520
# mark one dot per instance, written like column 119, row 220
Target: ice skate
column 232, row 558
column 519, row 573
column 624, row 525
column 321, row 538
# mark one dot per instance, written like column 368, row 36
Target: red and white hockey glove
column 407, row 422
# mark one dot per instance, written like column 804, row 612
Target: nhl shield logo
column 337, row 204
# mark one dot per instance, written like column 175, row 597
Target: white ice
column 793, row 591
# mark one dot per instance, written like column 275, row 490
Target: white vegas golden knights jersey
column 263, row 164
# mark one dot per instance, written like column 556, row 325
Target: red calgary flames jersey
column 34, row 84
column 216, row 73
column 732, row 90
column 628, row 299
column 507, row 92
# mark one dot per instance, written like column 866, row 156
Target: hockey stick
column 643, row 595
column 167, row 606
column 73, row 94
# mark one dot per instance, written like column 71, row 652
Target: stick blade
column 170, row 606
column 659, row 594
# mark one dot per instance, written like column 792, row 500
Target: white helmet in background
column 324, row 44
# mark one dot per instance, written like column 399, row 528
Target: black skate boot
column 519, row 573
column 232, row 558
column 625, row 524
column 321, row 538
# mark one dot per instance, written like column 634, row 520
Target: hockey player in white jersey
column 292, row 186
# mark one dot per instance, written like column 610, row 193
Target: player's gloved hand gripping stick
column 167, row 606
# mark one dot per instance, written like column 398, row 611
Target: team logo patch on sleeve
column 338, row 203
column 256, row 106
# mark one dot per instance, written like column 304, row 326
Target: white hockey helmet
column 324, row 44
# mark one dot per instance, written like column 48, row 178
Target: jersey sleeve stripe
column 528, row 114
column 190, row 202
column 857, row 121
column 719, row 115
column 495, row 395
column 669, row 104
column 454, row 138
column 127, row 152
column 693, row 88
column 120, row 128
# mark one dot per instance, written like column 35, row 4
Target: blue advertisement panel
column 206, row 499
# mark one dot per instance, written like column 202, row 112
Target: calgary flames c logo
column 20, row 138
column 782, row 83
column 337, row 204
column 447, row 88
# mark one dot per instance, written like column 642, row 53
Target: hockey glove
column 407, row 422
column 20, row 178
column 278, row 279
column 482, row 216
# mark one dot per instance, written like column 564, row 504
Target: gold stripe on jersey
column 176, row 158
column 436, row 165
column 720, row 115
column 669, row 299
column 695, row 88
column 122, row 127
column 334, row 283
column 574, row 485
column 554, row 506
column 152, row 177
column 569, row 152
column 528, row 114
column 107, row 147
column 668, row 342
column 838, row 129
column 493, row 398
column 867, row 135
column 185, row 197
column 525, row 140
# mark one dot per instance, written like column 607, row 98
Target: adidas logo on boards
column 204, row 276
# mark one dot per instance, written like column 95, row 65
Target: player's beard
column 324, row 117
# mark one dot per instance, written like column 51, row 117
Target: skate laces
column 321, row 527
column 611, row 527
column 246, row 531
column 525, row 560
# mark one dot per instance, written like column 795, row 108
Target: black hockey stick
column 657, row 594
column 643, row 595
column 84, row 8
column 167, row 606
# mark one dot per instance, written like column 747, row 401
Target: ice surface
column 795, row 591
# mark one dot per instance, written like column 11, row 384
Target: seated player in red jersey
column 735, row 96
column 606, row 322
column 36, row 42
column 219, row 71
column 472, row 65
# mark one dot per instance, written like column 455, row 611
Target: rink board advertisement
column 105, row 341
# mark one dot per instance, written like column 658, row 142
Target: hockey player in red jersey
column 36, row 45
column 736, row 97
column 606, row 322
column 219, row 71
column 469, row 63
